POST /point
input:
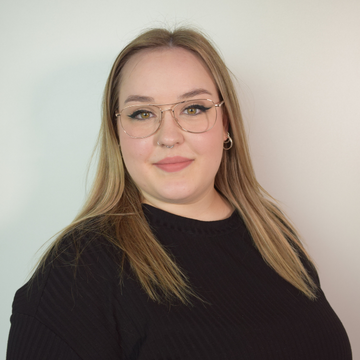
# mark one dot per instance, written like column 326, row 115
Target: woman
column 178, row 252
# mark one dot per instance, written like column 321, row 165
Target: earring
column 228, row 143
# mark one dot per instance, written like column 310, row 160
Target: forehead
column 164, row 74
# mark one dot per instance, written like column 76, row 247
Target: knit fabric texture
column 247, row 310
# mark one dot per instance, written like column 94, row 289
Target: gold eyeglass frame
column 216, row 105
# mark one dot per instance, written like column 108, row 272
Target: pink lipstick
column 173, row 164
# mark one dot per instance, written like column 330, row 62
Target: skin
column 165, row 75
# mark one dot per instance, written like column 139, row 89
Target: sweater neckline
column 161, row 218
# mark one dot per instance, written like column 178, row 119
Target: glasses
column 193, row 116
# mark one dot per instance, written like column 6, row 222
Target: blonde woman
column 178, row 252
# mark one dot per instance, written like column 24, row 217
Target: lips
column 173, row 164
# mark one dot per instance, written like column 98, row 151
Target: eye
column 195, row 109
column 141, row 115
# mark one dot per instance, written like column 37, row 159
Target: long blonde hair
column 114, row 204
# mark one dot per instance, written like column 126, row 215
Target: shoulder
column 82, row 251
column 79, row 261
column 73, row 295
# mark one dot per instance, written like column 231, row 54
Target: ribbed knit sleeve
column 66, row 312
column 29, row 339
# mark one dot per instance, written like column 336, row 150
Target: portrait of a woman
column 178, row 252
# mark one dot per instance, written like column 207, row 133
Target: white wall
column 298, row 66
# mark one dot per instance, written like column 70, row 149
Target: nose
column 169, row 133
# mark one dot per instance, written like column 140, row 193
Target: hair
column 114, row 205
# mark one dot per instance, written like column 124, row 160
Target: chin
column 177, row 199
column 177, row 196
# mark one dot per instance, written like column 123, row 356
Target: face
column 184, row 172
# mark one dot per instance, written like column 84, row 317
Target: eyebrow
column 139, row 98
column 148, row 99
column 194, row 93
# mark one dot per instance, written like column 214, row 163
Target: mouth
column 173, row 164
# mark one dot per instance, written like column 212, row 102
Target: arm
column 69, row 314
column 31, row 340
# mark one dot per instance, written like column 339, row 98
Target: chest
column 247, row 312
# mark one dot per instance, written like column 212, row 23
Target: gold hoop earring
column 228, row 143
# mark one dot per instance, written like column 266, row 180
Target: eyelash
column 197, row 107
column 138, row 112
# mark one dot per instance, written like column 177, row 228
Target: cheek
column 211, row 150
column 135, row 154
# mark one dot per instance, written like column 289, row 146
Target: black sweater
column 250, row 312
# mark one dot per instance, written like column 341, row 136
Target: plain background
column 298, row 68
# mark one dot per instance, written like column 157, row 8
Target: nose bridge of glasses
column 171, row 109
